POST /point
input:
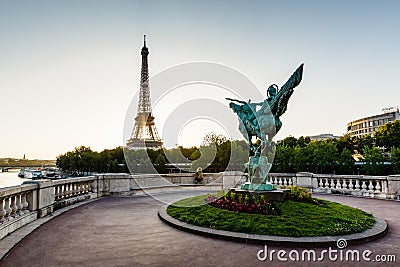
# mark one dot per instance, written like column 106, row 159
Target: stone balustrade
column 366, row 186
column 382, row 187
column 17, row 205
column 280, row 179
column 22, row 204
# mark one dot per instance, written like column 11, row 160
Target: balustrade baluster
column 73, row 189
column 290, row 182
column 77, row 189
column 322, row 182
column 332, row 184
column 338, row 185
column 384, row 187
column 2, row 210
column 7, row 207
column 345, row 185
column 19, row 204
column 378, row 186
column 351, row 184
column 14, row 207
column 60, row 192
column 357, row 184
column 70, row 190
column 81, row 188
column 63, row 191
column 370, row 186
column 57, row 192
column 87, row 186
column 364, row 185
column 67, row 190
column 25, row 203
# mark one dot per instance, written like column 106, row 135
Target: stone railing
column 382, row 187
column 17, row 207
column 125, row 184
column 22, row 204
column 286, row 179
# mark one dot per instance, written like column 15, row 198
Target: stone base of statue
column 258, row 186
column 271, row 195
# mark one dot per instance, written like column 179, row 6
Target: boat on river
column 32, row 174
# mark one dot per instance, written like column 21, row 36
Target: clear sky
column 69, row 69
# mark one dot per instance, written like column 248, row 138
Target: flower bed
column 243, row 203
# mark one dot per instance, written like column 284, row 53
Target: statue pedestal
column 258, row 186
column 272, row 195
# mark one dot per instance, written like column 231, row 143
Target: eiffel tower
column 144, row 134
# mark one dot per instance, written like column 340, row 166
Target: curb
column 379, row 230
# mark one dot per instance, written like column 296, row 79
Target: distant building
column 369, row 125
column 323, row 137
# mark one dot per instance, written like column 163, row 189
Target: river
column 11, row 178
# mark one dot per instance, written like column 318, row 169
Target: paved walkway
column 125, row 231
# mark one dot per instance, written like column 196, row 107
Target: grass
column 297, row 219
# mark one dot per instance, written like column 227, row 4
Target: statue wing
column 279, row 103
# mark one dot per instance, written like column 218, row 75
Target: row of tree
column 216, row 154
column 378, row 155
column 85, row 160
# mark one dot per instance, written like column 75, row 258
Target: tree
column 303, row 141
column 300, row 159
column 83, row 159
column 373, row 162
column 363, row 142
column 346, row 142
column 388, row 135
column 395, row 157
column 283, row 161
column 289, row 141
column 346, row 162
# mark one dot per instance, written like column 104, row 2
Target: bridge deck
column 126, row 231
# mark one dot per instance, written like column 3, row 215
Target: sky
column 69, row 70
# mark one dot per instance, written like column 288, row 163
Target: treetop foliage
column 217, row 153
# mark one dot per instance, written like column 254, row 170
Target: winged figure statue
column 262, row 119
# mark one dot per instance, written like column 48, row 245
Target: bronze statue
column 262, row 121
column 265, row 122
